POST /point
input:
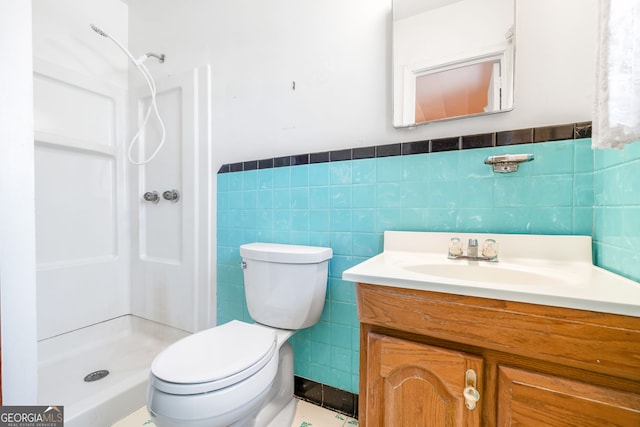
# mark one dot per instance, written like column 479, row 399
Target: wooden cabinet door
column 530, row 399
column 413, row 384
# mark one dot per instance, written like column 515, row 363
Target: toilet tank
column 285, row 285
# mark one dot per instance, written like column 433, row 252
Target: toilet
column 240, row 374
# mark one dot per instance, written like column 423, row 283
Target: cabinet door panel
column 412, row 384
column 532, row 399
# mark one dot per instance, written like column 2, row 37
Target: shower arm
column 155, row 55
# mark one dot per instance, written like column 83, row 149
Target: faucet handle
column 455, row 247
column 490, row 248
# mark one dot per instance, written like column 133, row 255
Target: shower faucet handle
column 172, row 195
column 151, row 196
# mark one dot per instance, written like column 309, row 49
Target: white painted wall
column 338, row 53
column 17, row 224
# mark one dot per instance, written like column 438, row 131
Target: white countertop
column 548, row 270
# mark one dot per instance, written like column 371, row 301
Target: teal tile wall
column 616, row 193
column 347, row 205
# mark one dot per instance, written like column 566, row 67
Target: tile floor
column 307, row 415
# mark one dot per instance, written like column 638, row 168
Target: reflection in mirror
column 466, row 89
column 451, row 58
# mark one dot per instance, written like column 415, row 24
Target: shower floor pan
column 124, row 346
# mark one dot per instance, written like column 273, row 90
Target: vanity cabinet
column 533, row 365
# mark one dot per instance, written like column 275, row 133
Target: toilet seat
column 214, row 358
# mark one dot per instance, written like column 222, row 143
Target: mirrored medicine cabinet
column 451, row 59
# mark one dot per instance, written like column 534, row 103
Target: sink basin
column 538, row 269
column 495, row 273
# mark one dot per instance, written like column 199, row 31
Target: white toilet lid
column 215, row 354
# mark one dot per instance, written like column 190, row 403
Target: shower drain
column 97, row 375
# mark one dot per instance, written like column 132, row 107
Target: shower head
column 99, row 31
column 140, row 60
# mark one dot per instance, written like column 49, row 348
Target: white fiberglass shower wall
column 102, row 251
column 80, row 106
column 172, row 275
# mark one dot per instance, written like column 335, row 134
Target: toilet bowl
column 241, row 374
column 229, row 373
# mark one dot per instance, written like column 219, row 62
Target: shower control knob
column 151, row 196
column 172, row 195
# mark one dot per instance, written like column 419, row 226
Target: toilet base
column 279, row 408
column 285, row 416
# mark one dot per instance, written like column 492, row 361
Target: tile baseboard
column 326, row 396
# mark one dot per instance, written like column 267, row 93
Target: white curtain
column 616, row 115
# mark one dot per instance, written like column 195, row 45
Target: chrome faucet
column 472, row 249
column 489, row 250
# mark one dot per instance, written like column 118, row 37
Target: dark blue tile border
column 513, row 137
column 319, row 157
column 336, row 156
column 479, row 141
column 280, row 162
column 445, row 144
column 388, row 150
column 251, row 165
column 236, row 167
column 553, row 133
column 416, row 147
column 492, row 139
column 363, row 153
column 265, row 164
column 300, row 159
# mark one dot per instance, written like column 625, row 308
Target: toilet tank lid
column 283, row 253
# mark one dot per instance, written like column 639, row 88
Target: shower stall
column 120, row 274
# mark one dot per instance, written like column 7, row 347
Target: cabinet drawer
column 599, row 342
